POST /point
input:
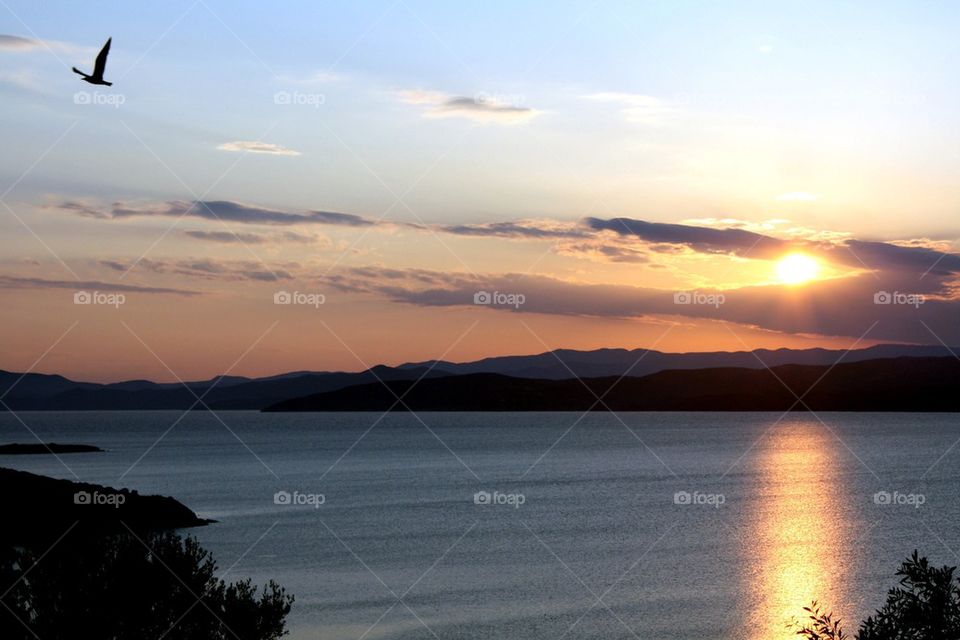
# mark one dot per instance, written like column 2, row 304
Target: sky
column 319, row 186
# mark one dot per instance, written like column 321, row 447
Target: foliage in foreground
column 925, row 606
column 124, row 586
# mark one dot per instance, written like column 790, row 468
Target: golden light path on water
column 801, row 537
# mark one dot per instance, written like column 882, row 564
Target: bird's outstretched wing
column 101, row 64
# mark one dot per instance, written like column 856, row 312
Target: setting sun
column 797, row 268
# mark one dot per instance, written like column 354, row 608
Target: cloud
column 16, row 282
column 16, row 43
column 601, row 250
column 227, row 237
column 229, row 211
column 245, row 146
column 208, row 269
column 223, row 210
column 482, row 108
column 539, row 229
column 20, row 44
column 635, row 107
column 915, row 259
column 230, row 237
column 911, row 259
column 703, row 239
column 80, row 208
column 481, row 111
column 839, row 307
column 609, row 240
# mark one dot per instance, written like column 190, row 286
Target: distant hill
column 35, row 391
column 61, row 394
column 892, row 384
column 567, row 363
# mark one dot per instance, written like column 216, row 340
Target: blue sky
column 814, row 122
column 877, row 74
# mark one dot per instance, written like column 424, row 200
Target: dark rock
column 37, row 508
column 19, row 449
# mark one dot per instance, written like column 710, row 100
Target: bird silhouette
column 98, row 67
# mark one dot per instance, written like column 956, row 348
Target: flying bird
column 98, row 67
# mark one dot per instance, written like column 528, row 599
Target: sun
column 797, row 268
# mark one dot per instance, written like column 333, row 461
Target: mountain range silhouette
column 36, row 391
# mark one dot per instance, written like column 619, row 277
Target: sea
column 653, row 526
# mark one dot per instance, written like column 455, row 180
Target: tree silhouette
column 122, row 586
column 924, row 606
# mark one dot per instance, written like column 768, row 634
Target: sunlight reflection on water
column 799, row 526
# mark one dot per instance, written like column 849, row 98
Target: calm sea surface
column 650, row 525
